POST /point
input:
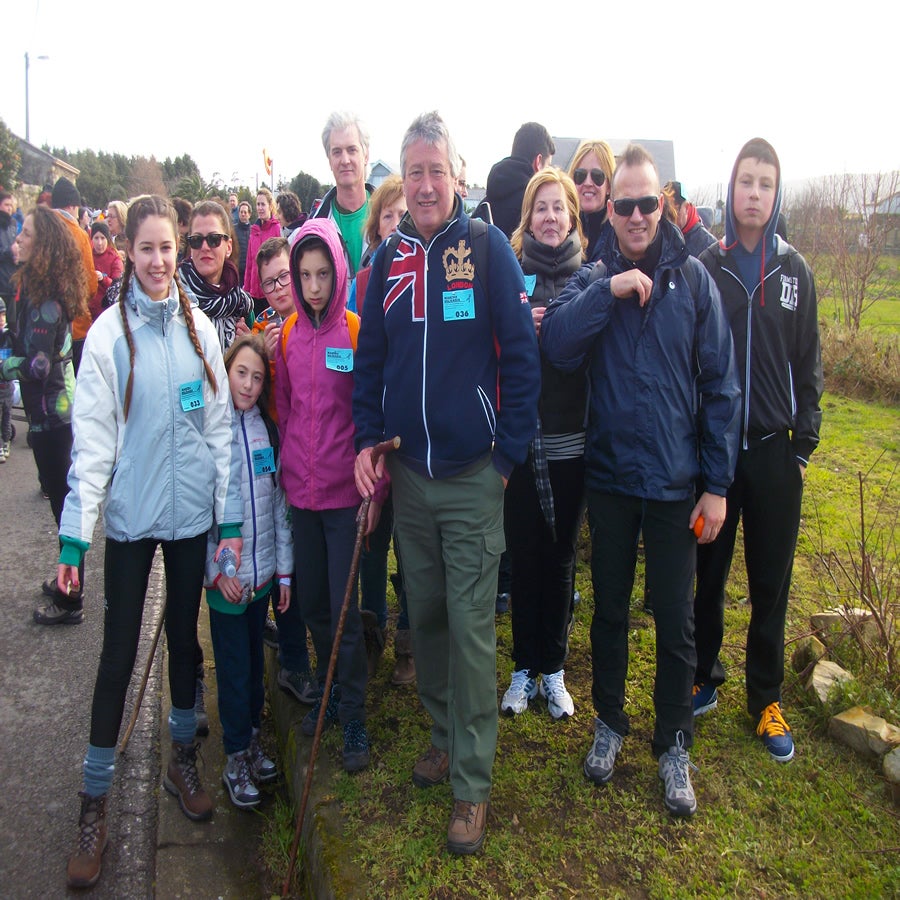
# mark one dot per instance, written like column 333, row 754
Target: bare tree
column 846, row 223
column 146, row 177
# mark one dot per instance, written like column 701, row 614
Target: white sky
column 222, row 80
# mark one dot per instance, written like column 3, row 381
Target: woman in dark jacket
column 544, row 497
column 52, row 284
column 592, row 170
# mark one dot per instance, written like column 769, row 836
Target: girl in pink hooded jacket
column 313, row 396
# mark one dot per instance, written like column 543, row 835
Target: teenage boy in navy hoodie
column 770, row 301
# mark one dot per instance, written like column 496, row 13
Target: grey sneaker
column 522, row 688
column 302, row 686
column 237, row 779
column 52, row 614
column 200, row 709
column 601, row 758
column 262, row 769
column 673, row 770
column 559, row 700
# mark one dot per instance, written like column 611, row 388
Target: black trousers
column 53, row 455
column 670, row 563
column 541, row 566
column 766, row 494
column 126, row 571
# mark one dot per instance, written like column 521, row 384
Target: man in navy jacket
column 448, row 361
column 663, row 413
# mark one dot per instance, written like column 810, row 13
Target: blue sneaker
column 776, row 734
column 356, row 746
column 706, row 698
column 502, row 604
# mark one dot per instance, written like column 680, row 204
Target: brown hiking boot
column 466, row 831
column 84, row 864
column 404, row 665
column 373, row 635
column 432, row 768
column 182, row 781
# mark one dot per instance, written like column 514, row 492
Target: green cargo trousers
column 450, row 535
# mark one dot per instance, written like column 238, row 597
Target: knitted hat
column 65, row 194
column 103, row 228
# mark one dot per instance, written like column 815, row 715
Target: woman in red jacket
column 107, row 264
column 265, row 227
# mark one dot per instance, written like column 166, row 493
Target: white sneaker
column 521, row 689
column 559, row 700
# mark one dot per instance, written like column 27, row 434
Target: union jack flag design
column 407, row 272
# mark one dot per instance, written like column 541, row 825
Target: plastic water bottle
column 227, row 562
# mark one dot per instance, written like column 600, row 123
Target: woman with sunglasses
column 544, row 497
column 592, row 170
column 210, row 275
column 266, row 226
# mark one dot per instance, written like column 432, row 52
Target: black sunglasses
column 213, row 239
column 625, row 206
column 598, row 176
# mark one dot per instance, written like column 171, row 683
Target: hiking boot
column 522, row 688
column 302, row 686
column 270, row 634
column 706, row 698
column 182, row 781
column 262, row 768
column 308, row 725
column 502, row 604
column 356, row 746
column 404, row 664
column 776, row 733
column 200, row 709
column 465, row 834
column 432, row 768
column 83, row 869
column 673, row 770
column 559, row 700
column 53, row 614
column 373, row 635
column 48, row 587
column 601, row 758
column 238, row 780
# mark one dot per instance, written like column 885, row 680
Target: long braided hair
column 142, row 208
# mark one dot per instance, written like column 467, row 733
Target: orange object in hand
column 698, row 526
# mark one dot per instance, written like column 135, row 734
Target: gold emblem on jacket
column 457, row 266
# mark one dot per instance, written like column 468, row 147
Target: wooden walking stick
column 140, row 697
column 378, row 451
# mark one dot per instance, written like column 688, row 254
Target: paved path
column 46, row 683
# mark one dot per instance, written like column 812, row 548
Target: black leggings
column 126, row 572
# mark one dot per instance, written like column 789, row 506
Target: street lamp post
column 27, row 115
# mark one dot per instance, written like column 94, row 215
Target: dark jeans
column 373, row 565
column 323, row 551
column 6, row 417
column 541, row 566
column 293, row 654
column 53, row 455
column 126, row 570
column 766, row 493
column 670, row 562
column 238, row 649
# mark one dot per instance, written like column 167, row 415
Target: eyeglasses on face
column 213, row 239
column 598, row 176
column 282, row 280
column 625, row 206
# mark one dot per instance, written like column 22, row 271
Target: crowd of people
column 580, row 344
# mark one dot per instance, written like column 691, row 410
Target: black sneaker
column 308, row 725
column 52, row 614
column 356, row 746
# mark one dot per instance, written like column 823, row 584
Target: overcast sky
column 221, row 81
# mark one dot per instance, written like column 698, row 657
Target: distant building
column 663, row 153
column 380, row 170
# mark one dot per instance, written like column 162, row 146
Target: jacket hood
column 326, row 231
column 731, row 236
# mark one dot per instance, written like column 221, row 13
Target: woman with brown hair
column 153, row 448
column 52, row 286
column 592, row 171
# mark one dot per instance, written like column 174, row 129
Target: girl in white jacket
column 238, row 603
column 152, row 444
